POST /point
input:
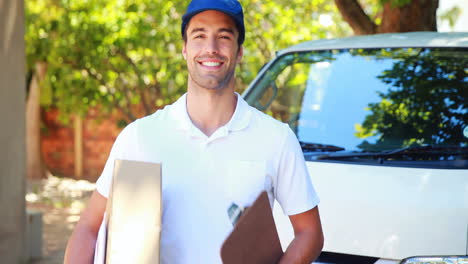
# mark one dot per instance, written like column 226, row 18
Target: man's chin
column 212, row 81
column 212, row 84
column 213, row 87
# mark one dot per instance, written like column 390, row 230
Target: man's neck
column 210, row 109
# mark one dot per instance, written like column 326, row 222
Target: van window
column 371, row 100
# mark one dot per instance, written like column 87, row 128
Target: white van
column 383, row 122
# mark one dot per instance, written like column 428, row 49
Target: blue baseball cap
column 230, row 7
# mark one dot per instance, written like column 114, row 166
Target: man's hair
column 239, row 40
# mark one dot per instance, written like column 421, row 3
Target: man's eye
column 225, row 37
column 198, row 36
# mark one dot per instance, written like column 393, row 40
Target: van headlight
column 436, row 260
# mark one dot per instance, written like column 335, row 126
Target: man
column 215, row 150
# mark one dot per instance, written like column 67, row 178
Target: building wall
column 12, row 132
column 98, row 138
column 57, row 142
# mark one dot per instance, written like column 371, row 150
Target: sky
column 462, row 22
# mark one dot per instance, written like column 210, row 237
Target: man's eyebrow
column 228, row 30
column 200, row 29
column 195, row 30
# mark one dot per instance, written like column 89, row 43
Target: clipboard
column 254, row 239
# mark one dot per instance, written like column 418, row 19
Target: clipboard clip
column 234, row 212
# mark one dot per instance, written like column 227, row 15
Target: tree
column 34, row 166
column 390, row 16
column 110, row 54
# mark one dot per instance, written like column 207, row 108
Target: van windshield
column 370, row 100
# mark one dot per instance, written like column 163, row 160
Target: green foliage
column 451, row 15
column 125, row 56
column 274, row 25
column 108, row 53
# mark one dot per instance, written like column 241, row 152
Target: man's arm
column 308, row 238
column 80, row 247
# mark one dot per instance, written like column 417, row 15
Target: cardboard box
column 134, row 213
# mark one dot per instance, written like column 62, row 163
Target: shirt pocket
column 245, row 181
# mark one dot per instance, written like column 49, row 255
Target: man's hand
column 308, row 238
column 80, row 247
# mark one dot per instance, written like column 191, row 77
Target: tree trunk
column 34, row 166
column 78, row 144
column 355, row 16
column 418, row 15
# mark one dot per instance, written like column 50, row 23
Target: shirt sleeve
column 293, row 189
column 118, row 151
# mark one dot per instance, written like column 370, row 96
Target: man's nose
column 212, row 45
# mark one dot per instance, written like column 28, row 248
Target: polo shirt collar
column 239, row 120
column 180, row 115
column 241, row 117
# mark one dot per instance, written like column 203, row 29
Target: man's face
column 211, row 50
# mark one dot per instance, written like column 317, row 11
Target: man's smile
column 211, row 63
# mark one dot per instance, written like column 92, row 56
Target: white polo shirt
column 202, row 176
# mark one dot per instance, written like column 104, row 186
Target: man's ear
column 240, row 54
column 184, row 52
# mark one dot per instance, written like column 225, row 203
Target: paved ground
column 61, row 202
column 58, row 224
